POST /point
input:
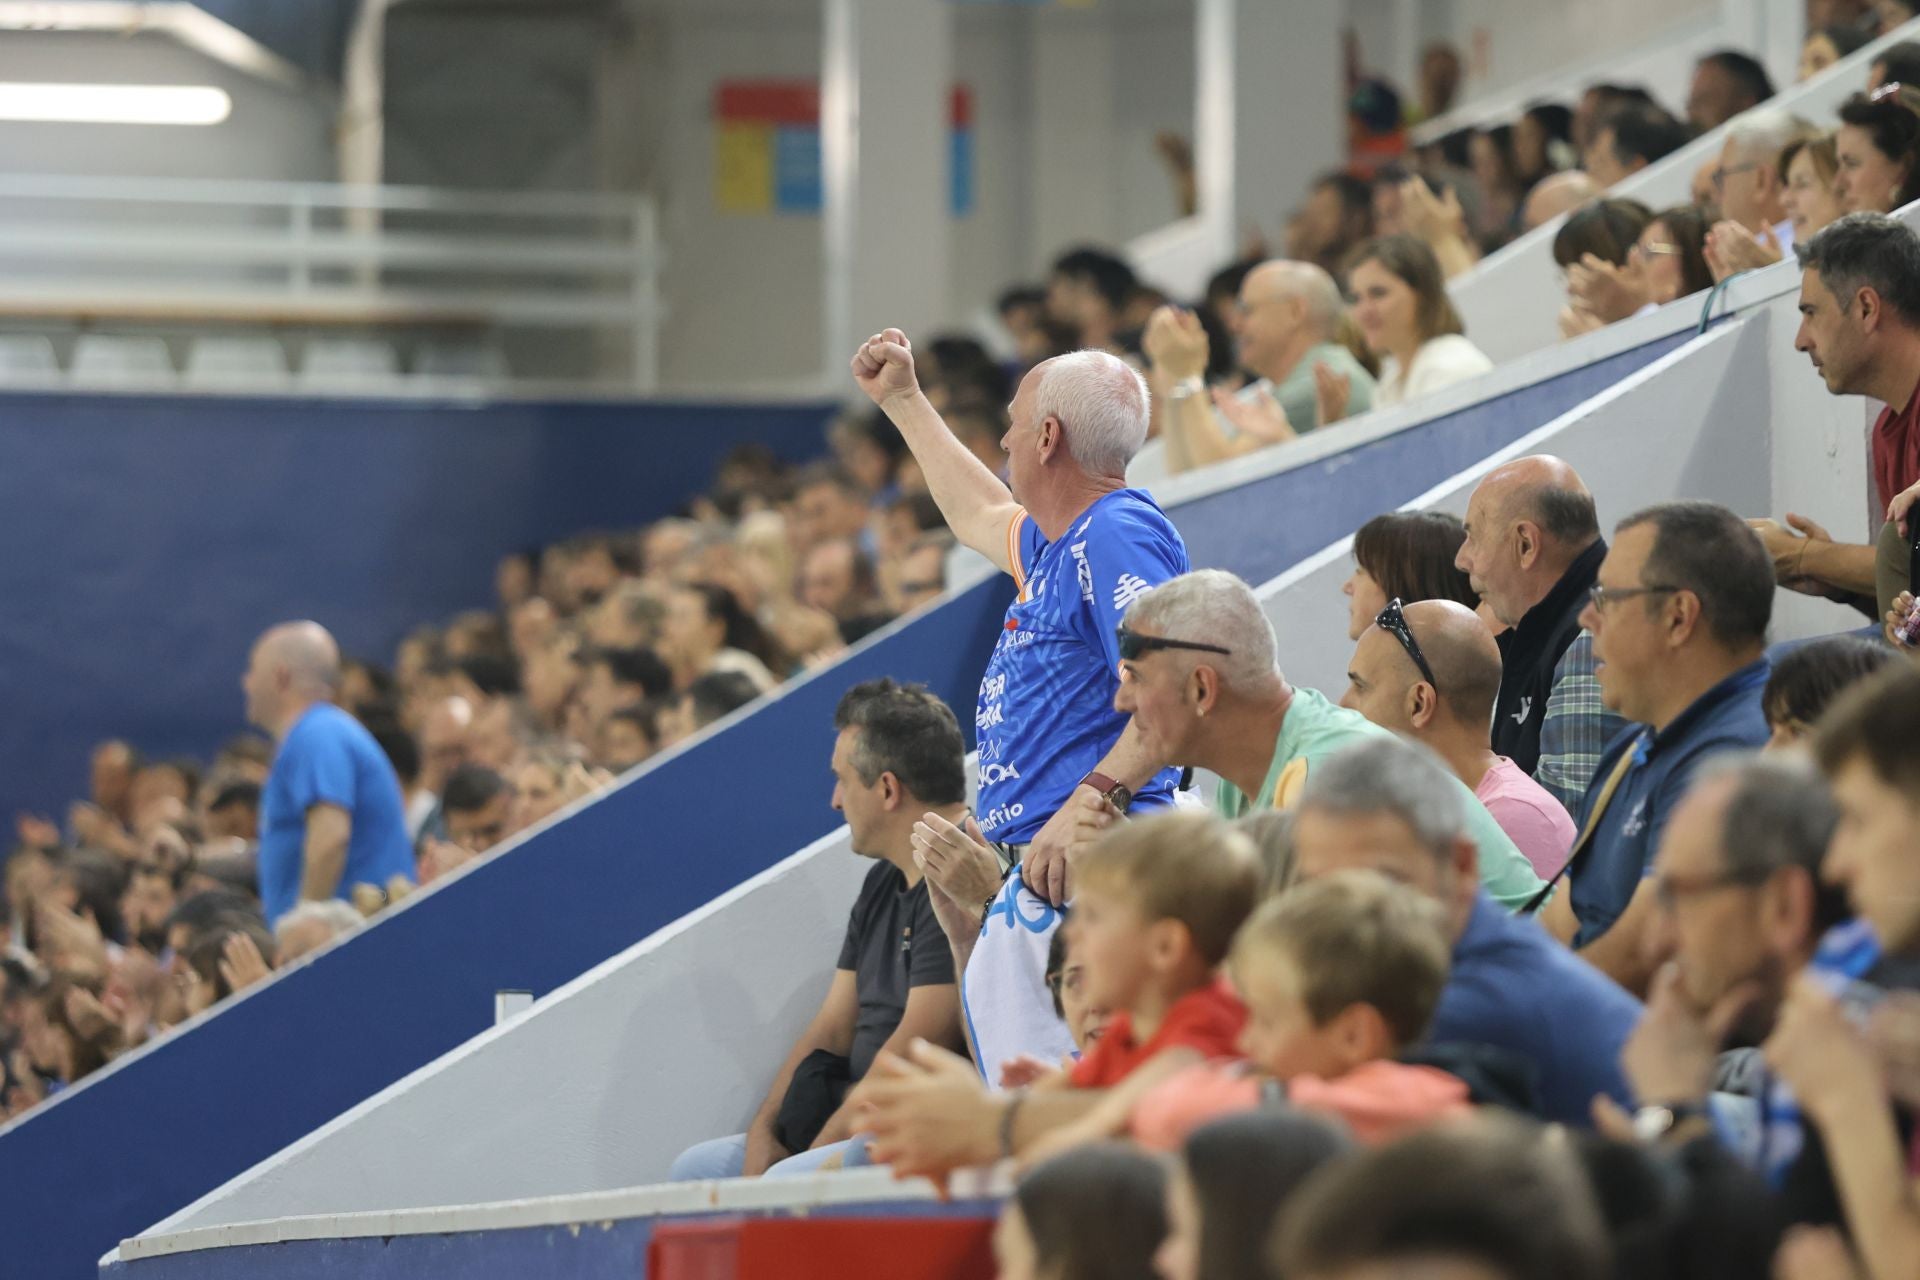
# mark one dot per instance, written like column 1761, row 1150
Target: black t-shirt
column 893, row 944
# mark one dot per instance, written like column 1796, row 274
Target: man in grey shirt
column 1284, row 323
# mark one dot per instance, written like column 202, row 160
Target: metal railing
column 295, row 258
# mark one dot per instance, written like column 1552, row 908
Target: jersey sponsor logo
column 993, row 687
column 988, row 716
column 1037, row 586
column 1019, row 907
column 1082, row 570
column 990, row 774
column 1526, row 709
column 1000, row 817
column 1636, row 822
column 1129, row 589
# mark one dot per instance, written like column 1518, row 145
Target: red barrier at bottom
column 822, row 1249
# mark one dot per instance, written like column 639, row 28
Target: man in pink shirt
column 1430, row 671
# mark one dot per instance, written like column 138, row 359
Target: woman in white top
column 1401, row 306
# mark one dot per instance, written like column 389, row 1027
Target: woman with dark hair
column 1671, row 255
column 1808, row 170
column 1806, row 680
column 1542, row 142
column 1092, row 1213
column 705, row 630
column 1594, row 247
column 1233, row 1179
column 1401, row 306
column 1828, row 45
column 1501, row 188
column 1405, row 556
column 1603, row 229
column 1878, row 146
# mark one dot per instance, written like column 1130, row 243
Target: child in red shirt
column 1156, row 905
column 1340, row 975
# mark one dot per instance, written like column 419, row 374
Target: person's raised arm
column 832, row 1029
column 324, row 855
column 977, row 506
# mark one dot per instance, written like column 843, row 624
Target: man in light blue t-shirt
column 331, row 816
column 1284, row 324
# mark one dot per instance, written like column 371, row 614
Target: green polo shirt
column 1314, row 730
column 1296, row 393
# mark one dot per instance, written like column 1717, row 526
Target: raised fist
column 883, row 366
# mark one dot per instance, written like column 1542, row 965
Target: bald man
column 1431, row 673
column 331, row 816
column 1533, row 552
column 1283, row 325
column 1557, row 194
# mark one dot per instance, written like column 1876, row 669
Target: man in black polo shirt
column 899, row 756
column 1533, row 549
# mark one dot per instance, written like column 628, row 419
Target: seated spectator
column 706, row 630
column 1725, row 83
column 1750, row 188
column 1497, row 172
column 1543, row 143
column 1860, row 326
column 1493, row 1200
column 1878, row 146
column 1085, row 1021
column 898, row 756
column 1284, row 323
column 1532, row 551
column 1899, row 64
column 1806, row 680
column 1666, row 262
column 152, row 892
column 867, row 445
column 1605, row 230
column 311, row 926
column 445, row 730
column 231, row 956
column 1433, row 211
column 706, row 701
column 1808, row 170
column 1340, row 976
column 1555, row 195
column 549, row 781
column 1152, row 929
column 479, row 807
column 627, row 737
column 827, row 503
column 922, row 577
column 837, row 577
column 1627, row 140
column 234, row 812
column 1406, row 319
column 1741, row 910
column 615, row 678
column 1389, row 806
column 1232, row 1179
column 1404, row 555
column 331, row 816
column 1431, row 672
column 1097, row 1211
column 1337, row 217
column 1222, row 704
column 1088, row 292
column 1894, row 14
column 1679, row 615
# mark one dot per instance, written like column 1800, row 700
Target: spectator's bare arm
column 324, row 857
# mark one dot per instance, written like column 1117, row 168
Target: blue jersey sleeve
column 320, row 770
column 1118, row 560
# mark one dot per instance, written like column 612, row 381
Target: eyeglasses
column 1652, row 249
column 1604, row 596
column 1669, row 890
column 1133, row 644
column 1393, row 619
column 1724, row 172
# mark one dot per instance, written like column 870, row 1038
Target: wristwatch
column 1650, row 1124
column 1115, row 793
column 1191, row 385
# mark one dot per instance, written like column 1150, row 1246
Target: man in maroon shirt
column 1860, row 325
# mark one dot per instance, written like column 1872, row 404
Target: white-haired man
column 1284, row 323
column 331, row 816
column 1056, row 757
column 1750, row 191
column 1199, row 676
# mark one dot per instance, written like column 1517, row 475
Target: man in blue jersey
column 1057, row 761
column 331, row 816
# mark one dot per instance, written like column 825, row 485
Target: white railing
column 192, row 255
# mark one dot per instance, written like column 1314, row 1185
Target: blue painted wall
column 141, row 1142
column 144, row 542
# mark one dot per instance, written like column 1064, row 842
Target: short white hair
column 338, row 917
column 1102, row 404
column 1310, row 283
column 1213, row 606
column 1762, row 134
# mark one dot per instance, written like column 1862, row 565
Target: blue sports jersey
column 1045, row 716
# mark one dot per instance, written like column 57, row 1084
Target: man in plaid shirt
column 1533, row 549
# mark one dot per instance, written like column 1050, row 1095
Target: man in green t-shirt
column 1199, row 677
column 1284, row 324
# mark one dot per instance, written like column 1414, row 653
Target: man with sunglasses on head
column 1679, row 618
column 1199, row 674
column 1430, row 671
column 1057, row 762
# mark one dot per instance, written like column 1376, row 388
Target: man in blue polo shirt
column 1391, row 806
column 1057, row 762
column 331, row 816
column 1679, row 619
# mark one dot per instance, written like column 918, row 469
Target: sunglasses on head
column 1133, row 644
column 1393, row 620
